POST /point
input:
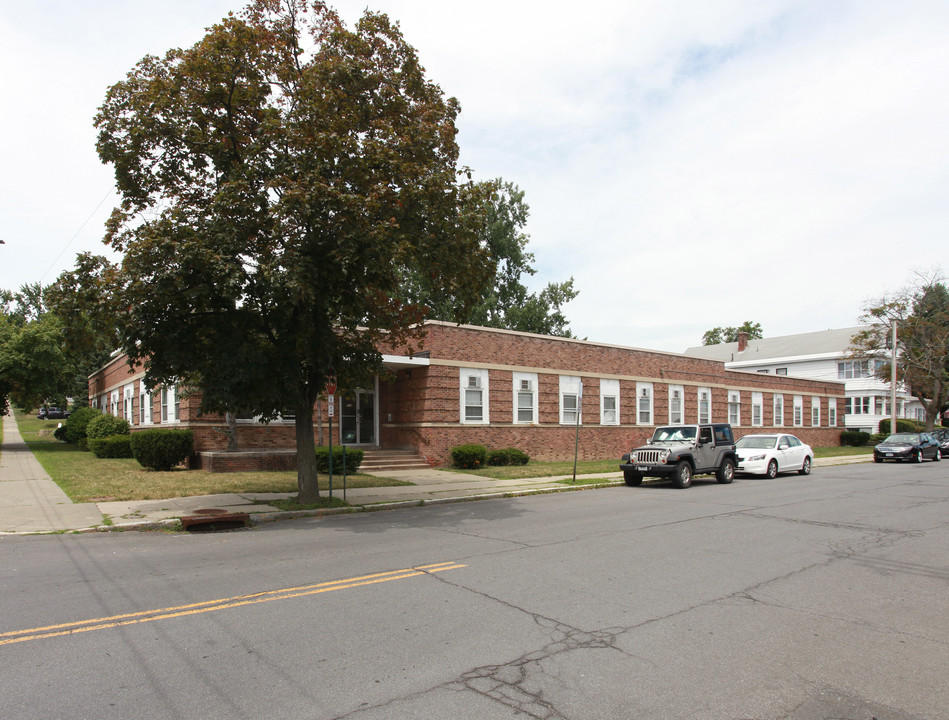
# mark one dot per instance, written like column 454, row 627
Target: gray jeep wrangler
column 678, row 452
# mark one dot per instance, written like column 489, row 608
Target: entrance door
column 358, row 424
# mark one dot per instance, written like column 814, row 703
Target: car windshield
column 903, row 439
column 756, row 442
column 668, row 434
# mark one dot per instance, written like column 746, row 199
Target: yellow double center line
column 104, row 623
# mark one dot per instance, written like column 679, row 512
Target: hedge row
column 353, row 460
column 474, row 456
column 161, row 448
column 114, row 446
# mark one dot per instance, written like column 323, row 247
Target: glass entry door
column 358, row 424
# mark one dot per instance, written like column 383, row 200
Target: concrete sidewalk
column 30, row 502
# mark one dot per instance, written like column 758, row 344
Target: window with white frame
column 169, row 404
column 644, row 403
column 525, row 397
column 734, row 407
column 832, row 412
column 609, row 402
column 474, row 396
column 128, row 409
column 676, row 397
column 705, row 405
column 778, row 410
column 798, row 416
column 571, row 390
column 144, row 405
column 757, row 409
column 815, row 412
column 114, row 404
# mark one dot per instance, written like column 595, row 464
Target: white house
column 820, row 356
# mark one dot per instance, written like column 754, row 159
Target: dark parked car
column 908, row 446
column 941, row 435
column 52, row 413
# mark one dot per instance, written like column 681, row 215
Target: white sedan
column 771, row 454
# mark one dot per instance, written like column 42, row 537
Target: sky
column 690, row 164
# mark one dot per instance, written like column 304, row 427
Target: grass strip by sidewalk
column 86, row 478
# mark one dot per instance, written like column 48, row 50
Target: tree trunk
column 319, row 421
column 231, row 431
column 308, row 489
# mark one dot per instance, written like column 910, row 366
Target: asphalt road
column 803, row 598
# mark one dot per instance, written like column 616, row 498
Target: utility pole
column 893, row 383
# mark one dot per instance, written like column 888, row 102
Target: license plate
column 642, row 468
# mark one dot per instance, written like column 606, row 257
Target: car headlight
column 663, row 456
column 756, row 457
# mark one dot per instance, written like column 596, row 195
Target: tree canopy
column 279, row 180
column 719, row 335
column 505, row 301
column 921, row 314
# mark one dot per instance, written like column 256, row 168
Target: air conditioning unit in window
column 526, row 385
column 474, row 381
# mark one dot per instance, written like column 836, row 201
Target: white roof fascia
column 788, row 359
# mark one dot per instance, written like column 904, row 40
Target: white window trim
column 832, row 412
column 681, row 417
column 734, row 398
column 463, row 383
column 643, row 392
column 571, row 386
column 145, row 405
column 778, row 419
column 518, row 378
column 815, row 405
column 757, row 408
column 797, row 414
column 169, row 416
column 609, row 389
column 114, row 404
column 128, row 403
column 698, row 395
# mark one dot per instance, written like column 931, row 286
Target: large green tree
column 921, row 314
column 279, row 180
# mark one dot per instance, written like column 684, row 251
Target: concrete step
column 376, row 460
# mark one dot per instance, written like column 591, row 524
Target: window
column 643, row 403
column 851, row 369
column 474, row 396
column 832, row 412
column 609, row 402
column 798, row 417
column 676, row 393
column 879, row 404
column 144, row 405
column 169, row 404
column 705, row 405
column 780, row 371
column 734, row 407
column 815, row 412
column 779, row 411
column 128, row 410
column 571, row 394
column 765, row 371
column 757, row 409
column 525, row 397
column 858, row 405
column 114, row 404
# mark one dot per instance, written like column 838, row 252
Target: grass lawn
column 86, row 478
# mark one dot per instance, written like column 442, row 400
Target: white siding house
column 820, row 356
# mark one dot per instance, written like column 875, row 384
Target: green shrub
column 854, row 438
column 103, row 426
column 353, row 460
column 902, row 425
column 77, row 423
column 60, row 433
column 877, row 438
column 469, row 456
column 161, row 448
column 114, row 446
column 508, row 456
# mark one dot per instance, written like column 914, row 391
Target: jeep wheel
column 806, row 467
column 683, row 476
column 773, row 469
column 632, row 478
column 726, row 471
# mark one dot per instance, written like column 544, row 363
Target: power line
column 106, row 197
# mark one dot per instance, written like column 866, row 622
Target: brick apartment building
column 506, row 389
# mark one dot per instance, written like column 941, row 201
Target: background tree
column 921, row 313
column 279, row 180
column 505, row 301
column 719, row 335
